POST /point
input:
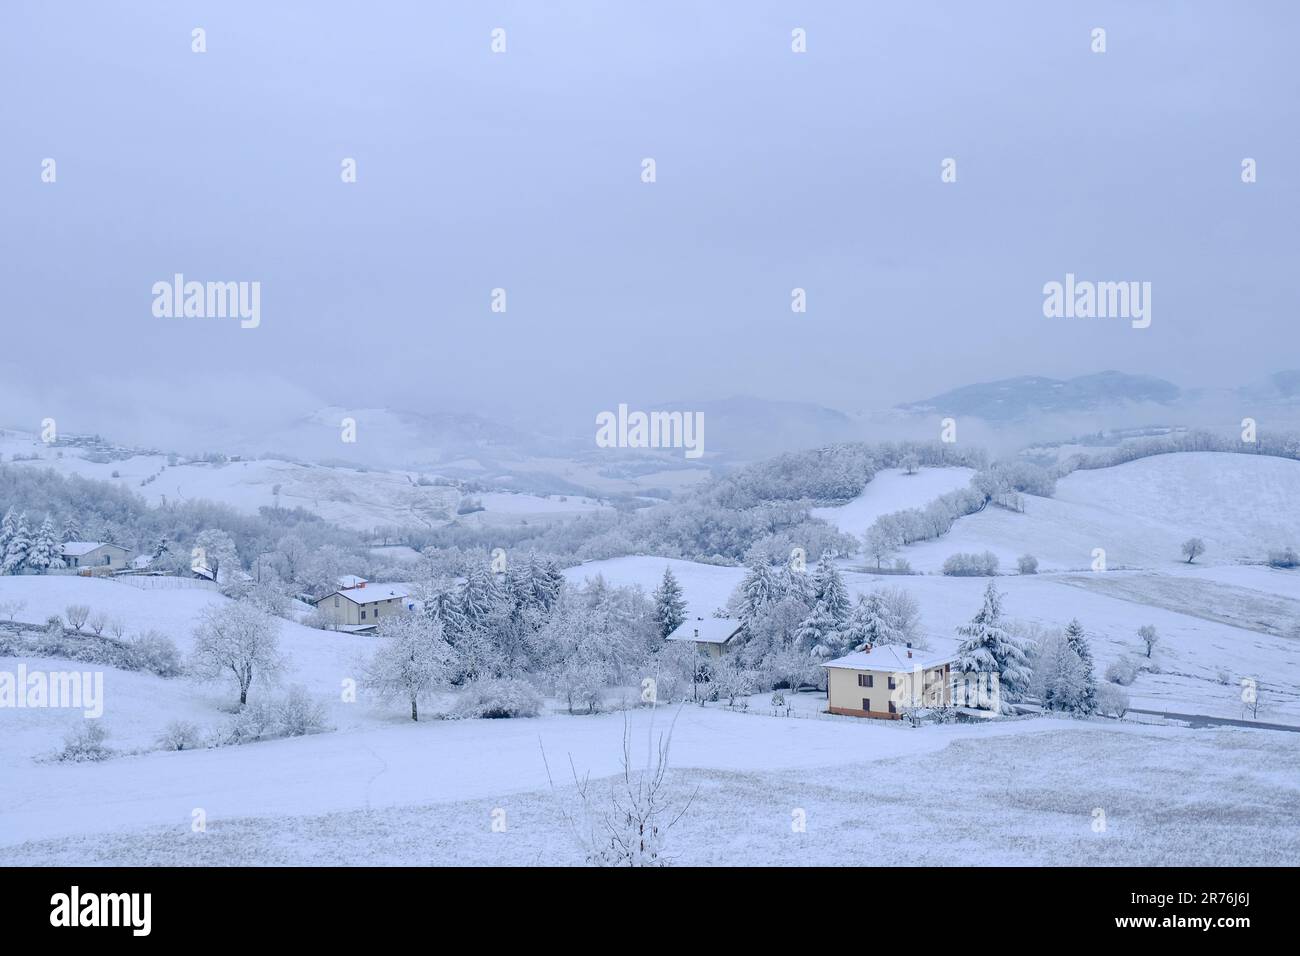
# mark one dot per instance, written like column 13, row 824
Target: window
column 108, row 559
column 376, row 612
column 892, row 685
column 866, row 704
column 892, row 708
column 336, row 600
column 363, row 615
column 866, row 680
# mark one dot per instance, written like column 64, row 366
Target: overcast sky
column 522, row 170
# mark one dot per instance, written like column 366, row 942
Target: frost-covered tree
column 479, row 595
column 46, row 551
column 1150, row 638
column 215, row 550
column 670, row 606
column 869, row 623
column 8, row 527
column 881, row 542
column 71, row 529
column 820, row 634
column 1059, row 676
column 760, row 588
column 1078, row 641
column 829, row 589
column 440, row 603
column 412, row 662
column 797, row 585
column 989, row 648
column 18, row 546
column 239, row 640
column 1193, row 548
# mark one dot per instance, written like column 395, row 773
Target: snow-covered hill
column 1140, row 513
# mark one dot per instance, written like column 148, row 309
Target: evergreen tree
column 797, row 585
column 18, row 547
column 989, row 649
column 829, row 589
column 71, row 529
column 46, row 551
column 820, row 635
column 869, row 624
column 8, row 527
column 479, row 595
column 1079, row 644
column 759, row 589
column 670, row 608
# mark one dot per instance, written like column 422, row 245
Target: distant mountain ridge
column 1011, row 399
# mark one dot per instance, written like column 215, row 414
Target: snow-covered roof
column 75, row 549
column 706, row 630
column 892, row 658
column 350, row 581
column 371, row 593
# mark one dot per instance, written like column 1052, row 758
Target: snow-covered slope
column 893, row 490
column 357, row 498
column 1140, row 513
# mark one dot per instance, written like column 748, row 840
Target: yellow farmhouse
column 361, row 608
column 880, row 681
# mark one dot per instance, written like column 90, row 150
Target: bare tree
column 238, row 639
column 1193, row 548
column 643, row 806
column 98, row 621
column 76, row 615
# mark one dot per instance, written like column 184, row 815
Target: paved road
column 1201, row 720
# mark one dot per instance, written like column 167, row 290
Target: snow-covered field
column 1140, row 513
column 1014, row 791
column 893, row 490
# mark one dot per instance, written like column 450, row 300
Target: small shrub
column 85, row 742
column 502, row 697
column 971, row 565
column 1122, row 671
column 1286, row 558
column 1028, row 564
column 180, row 735
column 320, row 619
column 1112, row 701
column 1223, row 677
column 155, row 652
column 299, row 714
column 255, row 721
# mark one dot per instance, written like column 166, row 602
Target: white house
column 98, row 555
column 713, row 635
column 362, row 608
